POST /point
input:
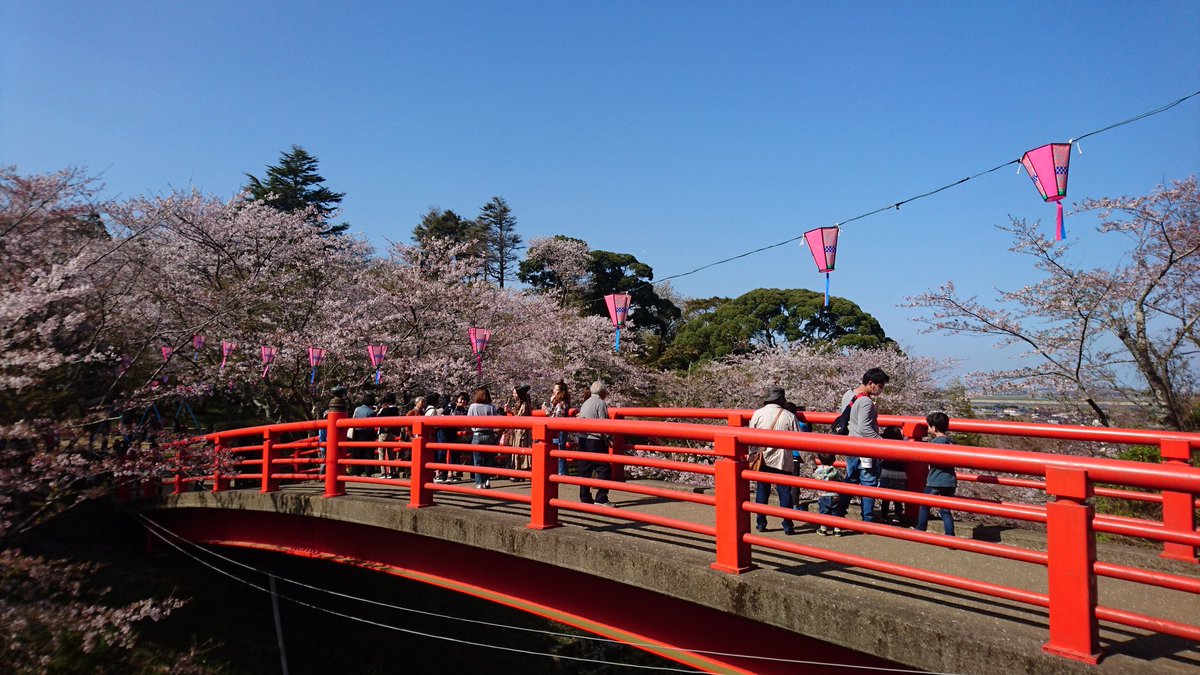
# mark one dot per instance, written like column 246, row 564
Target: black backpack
column 841, row 425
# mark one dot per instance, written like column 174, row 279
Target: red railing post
column 733, row 553
column 734, row 421
column 268, row 483
column 915, row 472
column 419, row 472
column 1179, row 514
column 220, row 482
column 333, row 453
column 542, row 515
column 618, row 448
column 180, row 460
column 1070, row 569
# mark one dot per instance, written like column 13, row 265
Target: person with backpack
column 861, row 420
column 774, row 414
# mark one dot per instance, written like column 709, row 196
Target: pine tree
column 499, row 231
column 295, row 185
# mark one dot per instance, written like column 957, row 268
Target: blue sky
column 681, row 132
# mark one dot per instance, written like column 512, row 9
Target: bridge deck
column 897, row 619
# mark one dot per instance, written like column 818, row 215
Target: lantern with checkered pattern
column 822, row 242
column 1047, row 166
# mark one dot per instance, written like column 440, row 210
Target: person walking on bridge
column 774, row 414
column 596, row 409
column 864, row 423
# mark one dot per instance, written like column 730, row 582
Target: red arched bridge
column 677, row 569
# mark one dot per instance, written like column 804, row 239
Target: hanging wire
column 153, row 527
column 897, row 205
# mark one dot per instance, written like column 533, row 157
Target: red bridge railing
column 262, row 455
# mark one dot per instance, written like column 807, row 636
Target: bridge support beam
column 1179, row 514
column 1071, row 543
column 733, row 553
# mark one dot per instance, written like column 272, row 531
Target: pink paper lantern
column 226, row 349
column 316, row 356
column 167, row 351
column 268, row 357
column 479, row 341
column 1048, row 166
column 822, row 243
column 376, row 353
column 197, row 345
column 618, row 312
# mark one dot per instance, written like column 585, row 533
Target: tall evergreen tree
column 294, row 185
column 499, row 231
column 449, row 226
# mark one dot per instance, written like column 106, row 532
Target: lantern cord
column 897, row 205
column 1135, row 118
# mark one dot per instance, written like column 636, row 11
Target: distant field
column 1005, row 401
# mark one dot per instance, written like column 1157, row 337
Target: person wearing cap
column 774, row 415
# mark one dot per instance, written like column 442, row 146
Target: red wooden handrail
column 1069, row 483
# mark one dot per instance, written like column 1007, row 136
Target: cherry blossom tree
column 55, row 345
column 1128, row 329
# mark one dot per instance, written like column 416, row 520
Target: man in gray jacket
column 864, row 423
column 594, row 408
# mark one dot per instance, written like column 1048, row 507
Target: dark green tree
column 294, row 185
column 498, row 226
column 449, row 226
column 766, row 317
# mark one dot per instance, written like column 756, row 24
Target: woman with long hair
column 520, row 405
column 482, row 407
column 559, row 405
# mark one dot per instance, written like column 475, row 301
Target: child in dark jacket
column 942, row 480
column 892, row 476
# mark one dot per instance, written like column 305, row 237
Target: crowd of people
column 858, row 412
column 478, row 403
column 861, row 419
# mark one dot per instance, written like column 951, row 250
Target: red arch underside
column 600, row 606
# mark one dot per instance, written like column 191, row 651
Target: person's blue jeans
column 947, row 515
column 826, row 505
column 560, row 443
column 763, row 493
column 857, row 473
column 482, row 459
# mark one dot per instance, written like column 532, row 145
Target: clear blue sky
column 681, row 132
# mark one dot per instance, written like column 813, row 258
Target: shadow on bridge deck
column 895, row 619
